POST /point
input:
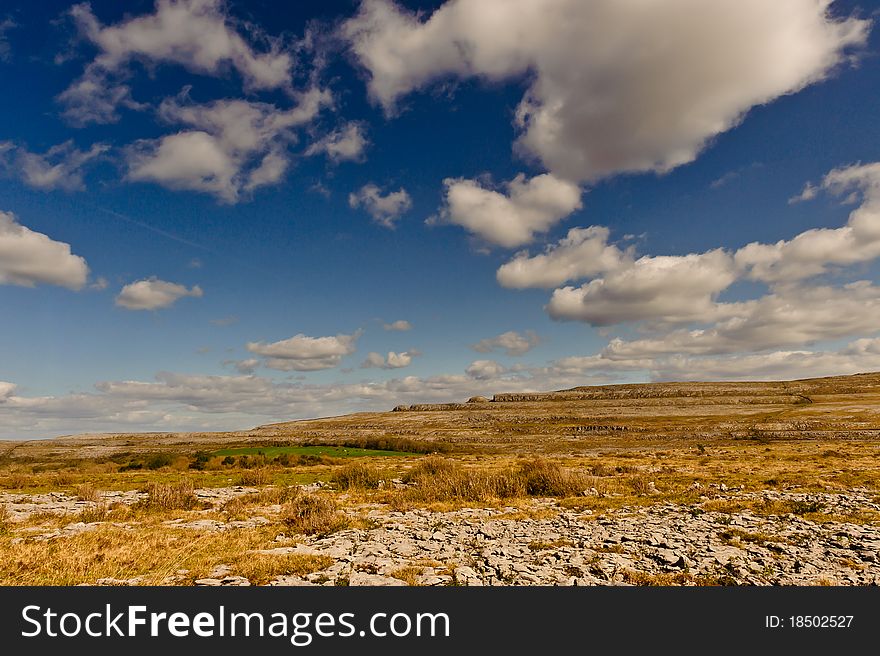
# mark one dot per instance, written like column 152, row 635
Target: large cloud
column 615, row 85
column 233, row 146
column 793, row 316
column 195, row 34
column 665, row 289
column 303, row 353
column 28, row 258
column 154, row 294
column 509, row 219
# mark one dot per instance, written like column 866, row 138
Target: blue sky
column 212, row 213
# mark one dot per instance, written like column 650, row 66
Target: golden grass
column 313, row 514
column 358, row 476
column 170, row 496
column 152, row 552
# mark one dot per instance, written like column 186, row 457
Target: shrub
column 200, row 460
column 228, row 461
column 170, row 496
column 313, row 514
column 548, row 479
column 159, row 460
column 356, row 476
column 87, row 492
column 255, row 477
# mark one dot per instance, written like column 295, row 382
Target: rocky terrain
column 684, row 484
column 542, row 543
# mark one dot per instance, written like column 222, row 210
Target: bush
column 255, row 477
column 356, row 476
column 159, row 460
column 313, row 514
column 87, row 492
column 200, row 460
column 170, row 496
column 437, row 479
column 547, row 479
column 228, row 461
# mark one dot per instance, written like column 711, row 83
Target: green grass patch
column 329, row 451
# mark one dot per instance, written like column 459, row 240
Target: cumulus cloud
column 399, row 325
column 385, row 209
column 792, row 316
column 154, row 294
column 646, row 95
column 195, row 34
column 303, row 353
column 666, row 289
column 812, row 252
column 511, row 342
column 29, row 258
column 347, row 143
column 60, row 167
column 232, row 146
column 509, row 219
column 391, row 361
column 582, row 253
column 485, row 369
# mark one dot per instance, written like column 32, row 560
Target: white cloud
column 391, row 361
column 198, row 402
column 195, row 34
column 347, row 143
column 794, row 316
column 235, row 146
column 614, row 85
column 582, row 253
column 247, row 366
column 6, row 390
column 812, row 252
column 666, row 289
column 509, row 219
column 860, row 356
column 154, row 294
column 385, row 210
column 511, row 342
column 60, row 167
column 303, row 353
column 28, row 258
column 399, row 325
column 485, row 369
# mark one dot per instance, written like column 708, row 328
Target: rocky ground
column 541, row 543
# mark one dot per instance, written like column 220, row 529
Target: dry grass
column 170, row 496
column 268, row 496
column 441, row 480
column 313, row 514
column 255, row 477
column 87, row 492
column 153, row 553
column 358, row 476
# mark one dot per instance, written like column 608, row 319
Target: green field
column 331, row 451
